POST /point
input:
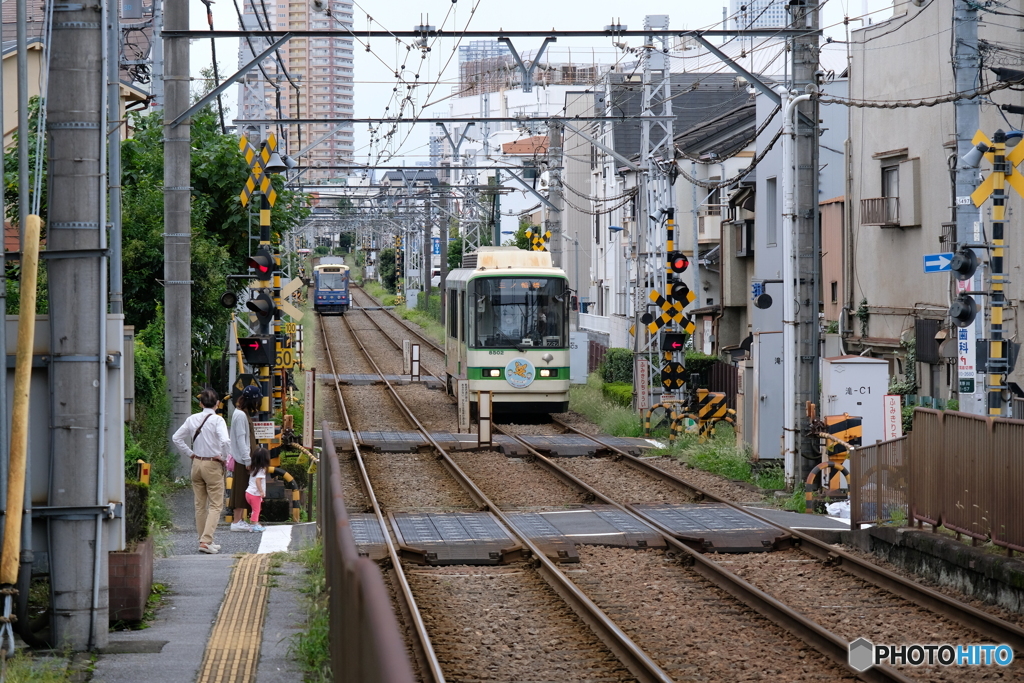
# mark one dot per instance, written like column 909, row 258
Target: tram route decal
column 519, row 373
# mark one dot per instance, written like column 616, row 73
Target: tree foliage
column 221, row 226
column 386, row 266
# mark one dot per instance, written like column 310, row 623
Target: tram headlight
column 492, row 372
column 544, row 372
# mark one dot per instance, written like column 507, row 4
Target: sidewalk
column 200, row 610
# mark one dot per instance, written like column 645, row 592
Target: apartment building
column 307, row 78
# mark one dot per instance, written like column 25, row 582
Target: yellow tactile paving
column 234, row 647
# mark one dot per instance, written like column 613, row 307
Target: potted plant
column 130, row 571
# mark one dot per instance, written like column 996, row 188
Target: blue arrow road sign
column 937, row 263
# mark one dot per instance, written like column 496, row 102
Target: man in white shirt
column 210, row 447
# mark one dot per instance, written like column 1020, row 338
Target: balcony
column 881, row 211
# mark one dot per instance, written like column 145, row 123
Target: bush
column 697, row 362
column 587, row 400
column 617, row 366
column 619, row 393
column 136, row 512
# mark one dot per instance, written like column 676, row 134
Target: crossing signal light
column 964, row 263
column 259, row 350
column 263, row 306
column 680, row 292
column 263, row 263
column 963, row 310
column 673, row 341
column 678, row 262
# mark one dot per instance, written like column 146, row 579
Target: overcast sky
column 374, row 70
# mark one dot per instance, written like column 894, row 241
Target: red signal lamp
column 678, row 262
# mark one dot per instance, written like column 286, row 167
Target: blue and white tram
column 507, row 330
column 330, row 288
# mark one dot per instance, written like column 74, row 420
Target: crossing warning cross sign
column 538, row 239
column 257, row 162
column 672, row 311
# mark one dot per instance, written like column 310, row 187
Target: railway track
column 813, row 571
column 723, row 616
column 531, row 628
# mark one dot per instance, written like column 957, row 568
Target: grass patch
column 428, row 324
column 23, row 667
column 157, row 597
column 719, row 455
column 588, row 401
column 311, row 646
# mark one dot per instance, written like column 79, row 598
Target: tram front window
column 332, row 281
column 518, row 312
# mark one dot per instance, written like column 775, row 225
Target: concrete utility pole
column 966, row 64
column 808, row 237
column 426, row 249
column 177, row 220
column 78, row 304
column 553, row 223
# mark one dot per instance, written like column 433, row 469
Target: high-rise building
column 749, row 14
column 311, row 78
column 475, row 50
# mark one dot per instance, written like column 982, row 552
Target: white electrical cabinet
column 578, row 343
column 856, row 385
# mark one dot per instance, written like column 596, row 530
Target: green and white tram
column 507, row 330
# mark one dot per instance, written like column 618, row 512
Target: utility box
column 856, row 385
column 578, row 343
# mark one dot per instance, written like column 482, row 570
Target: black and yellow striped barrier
column 843, row 432
column 290, row 482
column 284, row 475
column 834, row 469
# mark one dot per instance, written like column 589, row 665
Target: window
column 518, row 312
column 835, row 292
column 453, row 313
column 772, row 212
column 891, row 192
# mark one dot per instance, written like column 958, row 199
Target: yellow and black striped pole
column 265, row 370
column 996, row 366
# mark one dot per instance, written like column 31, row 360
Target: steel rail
column 424, row 650
column 966, row 615
column 628, row 652
column 810, row 632
column 403, row 322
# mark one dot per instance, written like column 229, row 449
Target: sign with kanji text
column 966, row 357
column 893, row 423
column 264, row 431
column 643, row 384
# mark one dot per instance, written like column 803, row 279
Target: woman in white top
column 242, row 444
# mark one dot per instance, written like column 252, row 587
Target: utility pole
column 807, row 241
column 966, row 66
column 77, row 317
column 656, row 222
column 553, row 223
column 177, row 220
column 158, row 55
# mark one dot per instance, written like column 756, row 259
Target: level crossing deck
column 562, row 445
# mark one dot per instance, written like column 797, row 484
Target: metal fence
column 725, row 378
column 966, row 473
column 595, row 355
column 878, row 492
column 366, row 645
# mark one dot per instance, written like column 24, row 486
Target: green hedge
column 617, row 366
column 620, row 393
column 136, row 512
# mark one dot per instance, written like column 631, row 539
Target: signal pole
column 807, row 242
column 966, row 66
column 177, row 221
